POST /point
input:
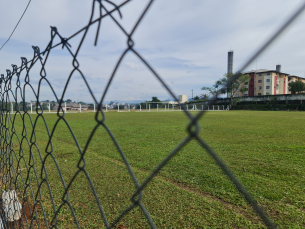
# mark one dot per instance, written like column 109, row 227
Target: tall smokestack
column 278, row 68
column 230, row 62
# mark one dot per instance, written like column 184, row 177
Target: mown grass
column 264, row 149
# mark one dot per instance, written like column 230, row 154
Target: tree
column 204, row 96
column 68, row 101
column 44, row 106
column 155, row 99
column 214, row 88
column 229, row 87
column 143, row 105
column 237, row 85
column 121, row 107
column 297, row 86
column 196, row 97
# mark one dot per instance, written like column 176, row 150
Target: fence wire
column 17, row 181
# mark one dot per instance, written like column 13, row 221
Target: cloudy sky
column 186, row 42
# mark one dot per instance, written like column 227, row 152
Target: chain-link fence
column 25, row 172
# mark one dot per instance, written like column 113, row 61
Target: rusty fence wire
column 20, row 154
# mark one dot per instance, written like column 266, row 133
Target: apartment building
column 268, row 82
column 293, row 78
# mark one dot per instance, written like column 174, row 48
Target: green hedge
column 269, row 107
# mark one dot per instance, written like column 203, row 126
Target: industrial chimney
column 230, row 62
column 278, row 68
column 230, row 67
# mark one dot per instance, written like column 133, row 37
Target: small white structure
column 12, row 207
column 182, row 98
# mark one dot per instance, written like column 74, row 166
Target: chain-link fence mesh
column 25, row 165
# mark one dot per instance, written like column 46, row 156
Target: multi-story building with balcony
column 268, row 82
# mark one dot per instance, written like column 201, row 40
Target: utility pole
column 192, row 95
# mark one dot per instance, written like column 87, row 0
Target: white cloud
column 132, row 65
column 186, row 42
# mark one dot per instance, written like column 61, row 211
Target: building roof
column 296, row 76
column 264, row 70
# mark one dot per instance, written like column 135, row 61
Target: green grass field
column 264, row 149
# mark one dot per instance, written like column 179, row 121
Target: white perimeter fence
column 137, row 108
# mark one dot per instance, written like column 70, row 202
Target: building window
column 267, row 80
column 260, row 74
column 267, row 93
column 245, row 94
column 237, row 95
column 267, row 87
column 259, row 93
column 259, row 81
column 251, row 85
column 268, row 73
column 259, row 87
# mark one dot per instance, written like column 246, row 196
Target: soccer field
column 264, row 149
